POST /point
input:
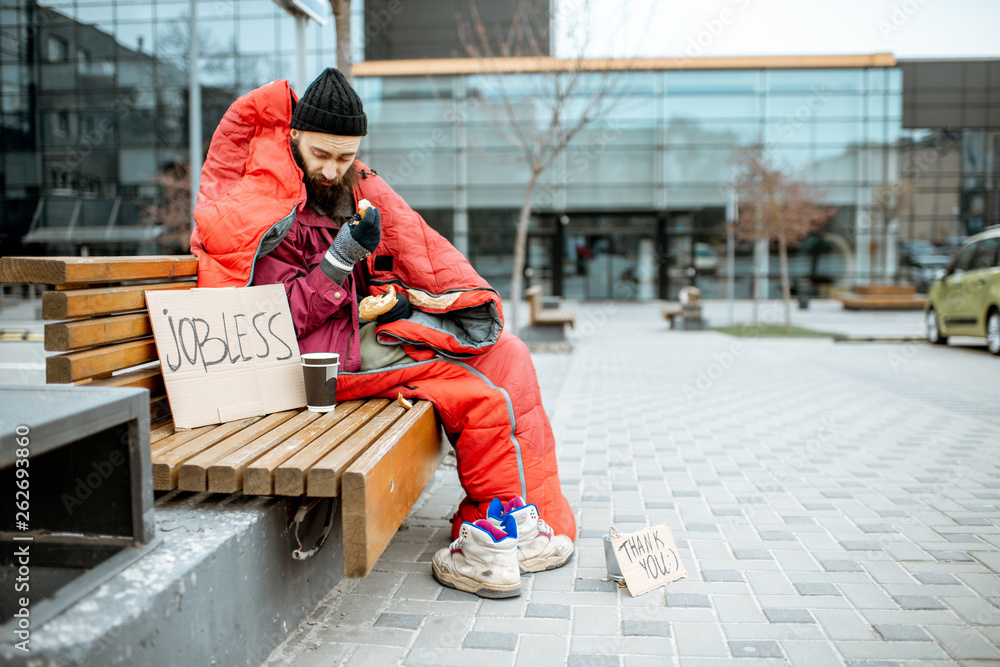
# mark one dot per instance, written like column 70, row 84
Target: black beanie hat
column 330, row 106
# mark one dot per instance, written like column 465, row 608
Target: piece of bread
column 363, row 207
column 373, row 306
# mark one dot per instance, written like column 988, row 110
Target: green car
column 965, row 301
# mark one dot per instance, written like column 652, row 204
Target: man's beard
column 330, row 199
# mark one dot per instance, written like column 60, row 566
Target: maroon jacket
column 325, row 314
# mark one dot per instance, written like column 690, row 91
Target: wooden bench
column 547, row 316
column 375, row 454
column 882, row 297
column 672, row 313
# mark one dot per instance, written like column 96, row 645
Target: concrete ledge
column 539, row 333
column 221, row 588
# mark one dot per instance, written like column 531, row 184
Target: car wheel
column 993, row 332
column 934, row 329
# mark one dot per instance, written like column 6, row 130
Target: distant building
column 95, row 141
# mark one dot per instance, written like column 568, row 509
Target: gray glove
column 352, row 244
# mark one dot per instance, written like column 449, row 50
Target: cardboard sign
column 648, row 559
column 226, row 353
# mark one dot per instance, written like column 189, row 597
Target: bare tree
column 891, row 199
column 342, row 25
column 779, row 209
column 538, row 113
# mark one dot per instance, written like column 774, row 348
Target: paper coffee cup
column 319, row 373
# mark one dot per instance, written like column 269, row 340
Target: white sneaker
column 483, row 560
column 538, row 547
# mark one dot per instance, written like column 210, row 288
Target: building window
column 82, row 60
column 58, row 49
column 60, row 124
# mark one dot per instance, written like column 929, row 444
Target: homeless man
column 279, row 184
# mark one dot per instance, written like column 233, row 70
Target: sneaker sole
column 544, row 564
column 468, row 585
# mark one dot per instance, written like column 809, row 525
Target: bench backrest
column 534, row 297
column 104, row 329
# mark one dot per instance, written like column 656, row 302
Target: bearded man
column 279, row 186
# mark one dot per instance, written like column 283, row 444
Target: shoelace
column 544, row 527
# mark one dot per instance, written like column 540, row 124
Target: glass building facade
column 638, row 198
column 94, row 147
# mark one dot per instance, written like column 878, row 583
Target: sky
column 699, row 28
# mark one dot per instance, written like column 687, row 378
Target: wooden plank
column 145, row 378
column 290, row 476
column 73, row 366
column 101, row 300
column 191, row 475
column 166, row 463
column 76, row 270
column 176, row 438
column 258, row 478
column 226, row 474
column 497, row 65
column 886, row 290
column 380, row 488
column 160, row 433
column 65, row 336
column 323, row 479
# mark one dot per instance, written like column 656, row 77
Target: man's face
column 326, row 161
column 326, row 157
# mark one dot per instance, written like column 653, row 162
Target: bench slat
column 258, row 478
column 192, row 476
column 145, row 378
column 77, row 270
column 226, row 474
column 73, row 366
column 101, row 300
column 165, row 466
column 323, row 479
column 175, row 439
column 290, row 476
column 382, row 485
column 66, row 336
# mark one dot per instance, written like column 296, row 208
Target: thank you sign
column 226, row 353
column 648, row 559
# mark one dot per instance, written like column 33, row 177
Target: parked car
column 705, row 259
column 911, row 249
column 923, row 270
column 965, row 301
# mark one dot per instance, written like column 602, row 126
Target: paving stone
column 936, row 578
column 592, row 660
column 402, row 621
column 699, row 639
column 536, row 610
column 844, row 624
column 501, row 641
column 594, row 620
column 534, row 650
column 366, row 655
column 860, row 545
column 899, row 633
column 687, row 600
column 776, row 535
column 722, row 575
column 637, row 628
column 753, row 554
column 817, row 589
column 965, row 643
column 810, row 653
column 841, row 566
column 958, row 556
column 918, row 602
column 788, row 615
column 758, row 649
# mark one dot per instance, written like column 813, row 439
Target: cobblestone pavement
column 834, row 503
